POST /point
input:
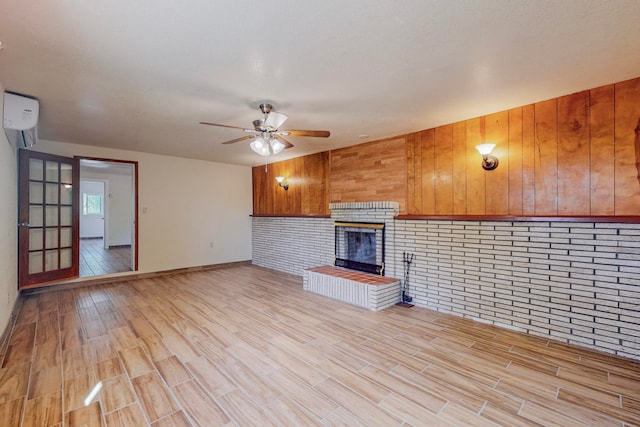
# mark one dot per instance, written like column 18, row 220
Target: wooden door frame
column 135, row 246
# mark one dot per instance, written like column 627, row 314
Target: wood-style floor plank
column 11, row 412
column 14, row 379
column 154, row 397
column 43, row 411
column 116, row 393
column 247, row 346
column 128, row 416
column 173, row 371
column 86, row 416
column 201, row 407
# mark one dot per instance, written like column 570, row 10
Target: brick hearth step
column 353, row 287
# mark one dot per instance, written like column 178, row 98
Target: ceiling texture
column 141, row 75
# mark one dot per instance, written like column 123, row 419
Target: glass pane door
column 48, row 218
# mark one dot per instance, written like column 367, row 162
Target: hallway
column 96, row 261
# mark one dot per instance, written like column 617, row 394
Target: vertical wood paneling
column 602, row 161
column 262, row 199
column 627, row 118
column 418, row 171
column 294, row 199
column 315, row 194
column 443, row 170
column 459, row 172
column 515, row 161
column 428, row 172
column 497, row 180
column 475, row 173
column 411, row 175
column 546, row 157
column 573, row 154
column 283, row 199
column 308, row 186
column 528, row 160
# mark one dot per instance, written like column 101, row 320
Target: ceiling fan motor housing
column 260, row 127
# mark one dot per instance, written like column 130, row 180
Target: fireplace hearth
column 360, row 246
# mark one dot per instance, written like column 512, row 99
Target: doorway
column 49, row 210
column 107, row 217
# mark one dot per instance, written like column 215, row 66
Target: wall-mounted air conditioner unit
column 20, row 119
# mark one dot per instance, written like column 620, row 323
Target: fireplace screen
column 360, row 246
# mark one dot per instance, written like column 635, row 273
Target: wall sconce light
column 282, row 183
column 489, row 162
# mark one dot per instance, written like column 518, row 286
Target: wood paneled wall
column 308, row 179
column 569, row 156
column 371, row 172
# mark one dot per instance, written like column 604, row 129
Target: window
column 91, row 204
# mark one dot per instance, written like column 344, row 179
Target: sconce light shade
column 282, row 183
column 489, row 162
column 485, row 149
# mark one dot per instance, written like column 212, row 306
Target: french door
column 48, row 218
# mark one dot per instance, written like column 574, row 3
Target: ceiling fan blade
column 286, row 143
column 223, row 126
column 316, row 133
column 242, row 138
column 275, row 120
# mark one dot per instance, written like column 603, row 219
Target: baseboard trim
column 90, row 281
column 4, row 339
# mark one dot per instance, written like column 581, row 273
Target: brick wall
column 574, row 282
column 292, row 244
column 577, row 283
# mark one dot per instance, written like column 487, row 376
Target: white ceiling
column 140, row 75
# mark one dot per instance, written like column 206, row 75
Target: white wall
column 91, row 225
column 118, row 204
column 8, row 227
column 191, row 212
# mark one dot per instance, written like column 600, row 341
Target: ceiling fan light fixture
column 259, row 146
column 276, row 146
column 267, row 138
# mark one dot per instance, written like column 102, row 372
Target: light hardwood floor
column 246, row 346
column 95, row 260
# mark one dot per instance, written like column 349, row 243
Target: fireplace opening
column 360, row 246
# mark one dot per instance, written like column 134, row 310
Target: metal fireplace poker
column 407, row 259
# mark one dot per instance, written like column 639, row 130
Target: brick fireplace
column 360, row 236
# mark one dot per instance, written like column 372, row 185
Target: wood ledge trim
column 630, row 219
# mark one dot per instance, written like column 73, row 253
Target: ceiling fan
column 266, row 134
